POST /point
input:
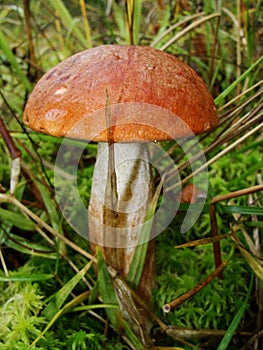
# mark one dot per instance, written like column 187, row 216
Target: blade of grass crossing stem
column 137, row 264
column 233, row 327
column 57, row 301
column 108, row 296
column 15, row 65
column 68, row 21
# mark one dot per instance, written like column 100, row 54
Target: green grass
column 51, row 297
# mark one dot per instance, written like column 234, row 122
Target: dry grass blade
column 235, row 125
column 173, row 27
column 240, row 96
column 217, row 156
column 86, row 23
column 189, row 29
column 203, row 241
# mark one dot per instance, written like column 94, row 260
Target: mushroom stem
column 120, row 197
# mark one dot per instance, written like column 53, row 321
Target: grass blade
column 242, row 210
column 53, row 213
column 189, row 28
column 25, row 246
column 16, row 219
column 137, row 20
column 80, row 298
column 50, row 206
column 232, row 328
column 21, row 277
column 55, row 304
column 252, row 261
column 223, row 95
column 68, row 21
column 108, row 293
column 86, row 23
column 12, row 60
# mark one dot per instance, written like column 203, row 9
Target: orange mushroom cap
column 149, row 95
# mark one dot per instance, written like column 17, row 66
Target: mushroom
column 124, row 97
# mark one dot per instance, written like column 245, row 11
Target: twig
column 13, row 150
column 178, row 301
column 15, row 155
column 252, row 340
column 238, row 193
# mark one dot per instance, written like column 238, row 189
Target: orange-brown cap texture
column 148, row 95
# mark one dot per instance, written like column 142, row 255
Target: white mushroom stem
column 116, row 216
